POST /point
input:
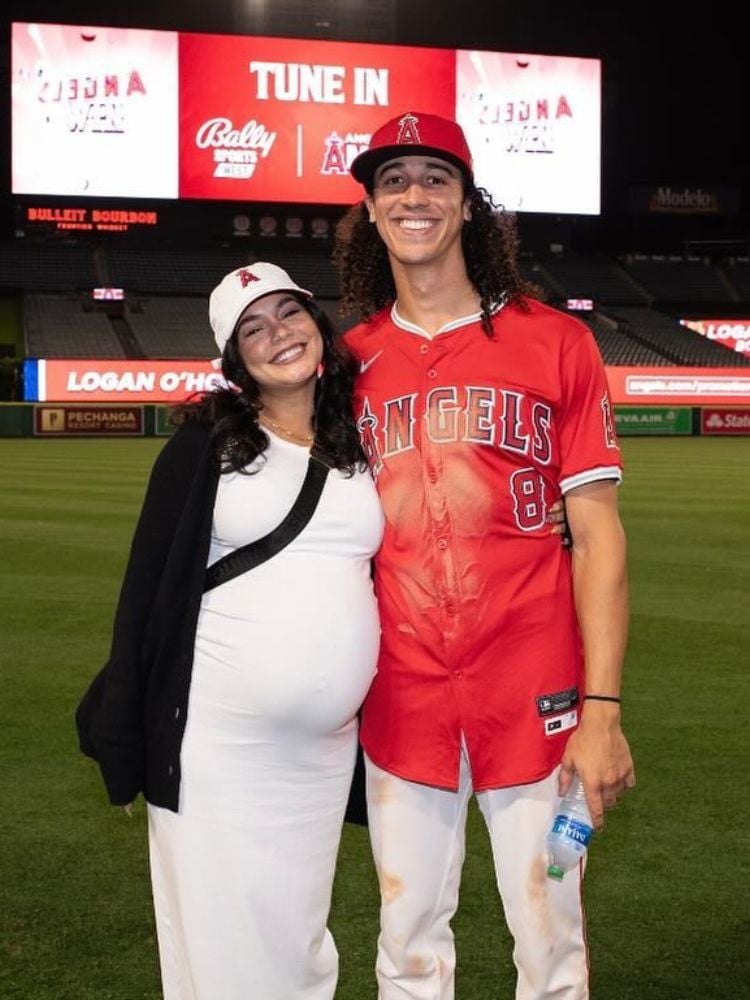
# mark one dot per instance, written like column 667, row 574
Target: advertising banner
column 55, row 218
column 76, row 421
column 725, row 420
column 644, row 420
column 282, row 119
column 533, row 125
column 74, row 380
column 94, row 111
column 733, row 334
column 678, row 386
column 666, row 199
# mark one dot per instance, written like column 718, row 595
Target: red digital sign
column 733, row 334
column 82, row 381
column 278, row 120
column 83, row 218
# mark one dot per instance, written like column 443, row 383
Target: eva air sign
column 653, row 420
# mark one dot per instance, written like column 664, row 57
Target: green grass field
column 667, row 886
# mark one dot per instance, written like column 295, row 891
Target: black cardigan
column 132, row 718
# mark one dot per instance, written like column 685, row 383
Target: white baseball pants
column 418, row 841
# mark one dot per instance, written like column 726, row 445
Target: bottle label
column 565, row 826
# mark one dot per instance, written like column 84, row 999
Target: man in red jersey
column 501, row 651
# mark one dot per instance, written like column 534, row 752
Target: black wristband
column 601, row 697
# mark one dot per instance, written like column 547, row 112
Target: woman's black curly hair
column 490, row 246
column 232, row 413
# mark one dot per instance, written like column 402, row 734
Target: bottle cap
column 556, row 872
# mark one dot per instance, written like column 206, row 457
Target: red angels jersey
column 471, row 439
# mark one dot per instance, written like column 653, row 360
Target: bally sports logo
column 235, row 150
column 722, row 420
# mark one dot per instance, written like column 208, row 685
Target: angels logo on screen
column 532, row 123
column 341, row 151
column 105, row 100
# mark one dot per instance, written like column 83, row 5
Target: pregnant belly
column 302, row 661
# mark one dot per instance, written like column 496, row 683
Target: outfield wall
column 47, row 420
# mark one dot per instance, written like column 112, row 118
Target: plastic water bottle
column 571, row 831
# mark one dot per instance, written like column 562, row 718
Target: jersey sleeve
column 589, row 451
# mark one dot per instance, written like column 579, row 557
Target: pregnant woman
column 231, row 693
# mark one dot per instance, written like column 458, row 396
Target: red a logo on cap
column 246, row 277
column 407, row 132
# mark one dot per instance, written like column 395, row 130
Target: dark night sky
column 675, row 85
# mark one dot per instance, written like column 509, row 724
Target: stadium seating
column 196, row 272
column 737, row 271
column 532, row 271
column 164, row 313
column 678, row 279
column 56, row 326
column 677, row 344
column 171, row 327
column 599, row 278
column 616, row 346
column 46, row 267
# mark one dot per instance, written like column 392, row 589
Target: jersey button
column 442, row 543
column 457, row 674
column 424, row 348
column 432, row 373
column 433, row 477
column 450, row 609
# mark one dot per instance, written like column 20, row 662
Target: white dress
column 284, row 655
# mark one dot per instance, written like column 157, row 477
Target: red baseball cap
column 410, row 134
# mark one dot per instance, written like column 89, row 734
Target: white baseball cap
column 238, row 289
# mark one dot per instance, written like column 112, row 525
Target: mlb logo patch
column 557, row 701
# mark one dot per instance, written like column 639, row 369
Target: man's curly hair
column 490, row 245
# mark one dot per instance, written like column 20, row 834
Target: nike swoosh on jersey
column 364, row 365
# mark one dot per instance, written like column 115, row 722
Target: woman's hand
column 558, row 521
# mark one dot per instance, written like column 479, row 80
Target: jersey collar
column 454, row 324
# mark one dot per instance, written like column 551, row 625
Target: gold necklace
column 303, row 438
